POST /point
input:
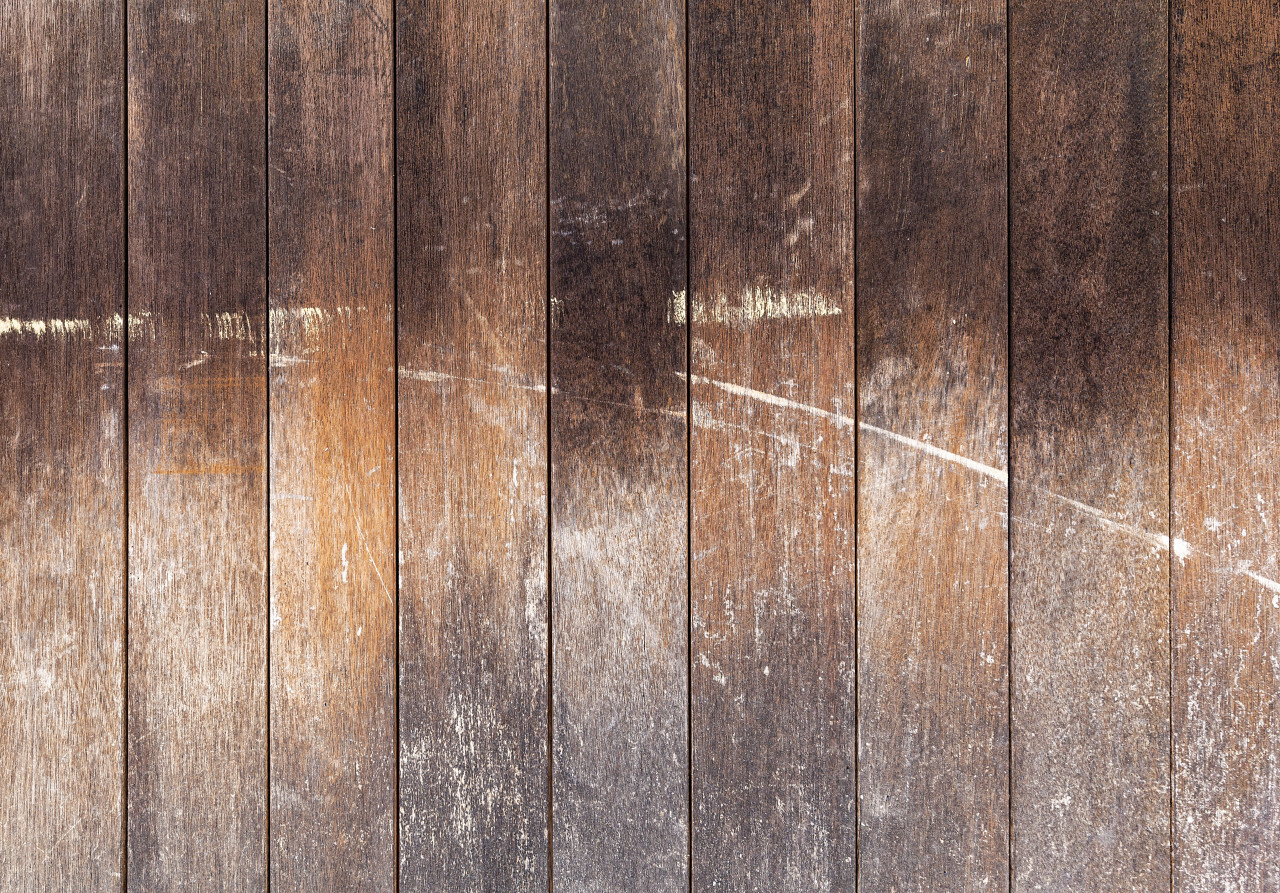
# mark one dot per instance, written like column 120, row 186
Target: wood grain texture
column 197, row 437
column 1226, row 388
column 772, row 103
column 1089, row 460
column 62, row 459
column 619, row 570
column 473, row 446
column 333, row 566
column 932, row 367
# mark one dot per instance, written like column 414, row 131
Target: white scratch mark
column 755, row 303
column 345, row 565
column 367, row 551
column 1181, row 548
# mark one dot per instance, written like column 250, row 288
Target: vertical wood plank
column 618, row 446
column 1089, row 461
column 1226, row 384
column 772, row 105
column 333, row 567
column 473, row 423
column 932, row 370
column 197, row 428
column 62, row 460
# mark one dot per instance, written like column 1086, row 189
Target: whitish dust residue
column 756, row 303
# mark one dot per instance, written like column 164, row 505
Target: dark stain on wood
column 197, row 407
column 773, row 485
column 617, row 446
column 932, row 361
column 62, row 460
column 473, row 421
column 1089, row 590
column 1226, row 342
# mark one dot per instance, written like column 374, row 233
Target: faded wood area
column 667, row 445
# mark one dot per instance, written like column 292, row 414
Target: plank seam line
column 124, row 337
column 546, row 320
column 688, row 442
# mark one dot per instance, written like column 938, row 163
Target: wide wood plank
column 619, row 571
column 1226, row 382
column 773, row 466
column 197, row 435
column 62, row 459
column 933, row 448
column 1090, row 457
column 473, row 445
column 333, row 471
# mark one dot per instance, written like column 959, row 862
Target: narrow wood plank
column 1089, row 462
column 772, row 99
column 932, row 372
column 197, row 434
column 1226, row 383
column 619, row 571
column 473, row 425
column 62, row 463
column 333, row 472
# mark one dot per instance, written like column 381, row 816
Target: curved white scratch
column 1181, row 548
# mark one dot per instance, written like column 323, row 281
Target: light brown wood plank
column 333, row 565
column 473, row 445
column 619, row 572
column 773, row 463
column 932, row 372
column 62, row 459
column 197, row 432
column 1226, row 438
column 1090, row 458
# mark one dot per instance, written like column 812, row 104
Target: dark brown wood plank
column 933, row 449
column 1226, row 437
column 333, row 565
column 62, row 459
column 473, row 424
column 619, row 571
column 1090, row 459
column 773, row 465
column 197, row 434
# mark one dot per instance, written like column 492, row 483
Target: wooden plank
column 1089, row 461
column 619, row 570
column 772, row 180
column 333, row 462
column 1226, row 320
column 473, row 423
column 197, row 435
column 932, row 371
column 62, row 463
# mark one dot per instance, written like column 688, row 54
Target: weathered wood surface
column 619, row 570
column 472, row 447
column 62, row 453
column 1090, row 458
column 333, row 471
column 1226, row 440
column 197, row 438
column 772, row 463
column 933, row 448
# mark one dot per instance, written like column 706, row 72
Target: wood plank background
column 671, row 445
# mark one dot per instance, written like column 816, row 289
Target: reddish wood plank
column 772, row 99
column 619, row 464
column 1089, row 460
column 932, row 371
column 473, row 467
column 197, row 431
column 333, row 567
column 1226, row 382
column 62, row 460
